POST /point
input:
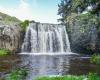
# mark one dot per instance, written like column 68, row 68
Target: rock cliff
column 84, row 33
column 11, row 37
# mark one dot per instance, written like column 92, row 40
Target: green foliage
column 91, row 17
column 19, row 74
column 66, row 7
column 78, row 3
column 91, row 76
column 24, row 25
column 70, row 77
column 85, row 21
column 69, row 21
column 95, row 59
column 4, row 52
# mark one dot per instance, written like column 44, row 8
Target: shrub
column 4, row 52
column 93, row 76
column 24, row 25
column 18, row 74
column 95, row 59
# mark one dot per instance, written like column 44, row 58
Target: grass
column 95, row 59
column 4, row 52
column 62, row 78
column 91, row 76
column 18, row 74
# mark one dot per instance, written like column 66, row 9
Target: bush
column 4, row 52
column 18, row 74
column 24, row 25
column 95, row 59
column 93, row 76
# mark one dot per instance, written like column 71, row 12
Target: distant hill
column 6, row 19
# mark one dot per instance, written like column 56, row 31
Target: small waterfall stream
column 46, row 38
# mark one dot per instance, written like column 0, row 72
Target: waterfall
column 44, row 37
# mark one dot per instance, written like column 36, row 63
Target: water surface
column 43, row 65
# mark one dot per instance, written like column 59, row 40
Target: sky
column 44, row 11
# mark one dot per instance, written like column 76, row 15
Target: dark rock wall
column 84, row 37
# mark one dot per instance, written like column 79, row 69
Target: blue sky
column 44, row 11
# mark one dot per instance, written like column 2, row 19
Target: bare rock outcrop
column 11, row 37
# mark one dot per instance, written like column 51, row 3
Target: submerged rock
column 11, row 37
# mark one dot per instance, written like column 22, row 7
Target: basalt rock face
column 11, row 37
column 84, row 36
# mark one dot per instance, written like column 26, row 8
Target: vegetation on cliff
column 10, row 20
column 82, row 20
column 4, row 52
column 6, row 19
column 24, row 24
column 95, row 59
column 66, row 7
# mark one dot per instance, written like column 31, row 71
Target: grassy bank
column 4, row 52
column 90, row 76
column 61, row 78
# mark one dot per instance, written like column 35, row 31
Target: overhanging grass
column 95, row 59
column 4, row 52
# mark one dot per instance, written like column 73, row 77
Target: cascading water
column 46, row 38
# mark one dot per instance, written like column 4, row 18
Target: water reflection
column 46, row 65
column 41, row 65
column 9, row 63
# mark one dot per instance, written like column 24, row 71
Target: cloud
column 25, row 11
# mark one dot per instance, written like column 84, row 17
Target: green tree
column 66, row 7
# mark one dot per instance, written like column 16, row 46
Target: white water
column 66, row 53
column 46, row 38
